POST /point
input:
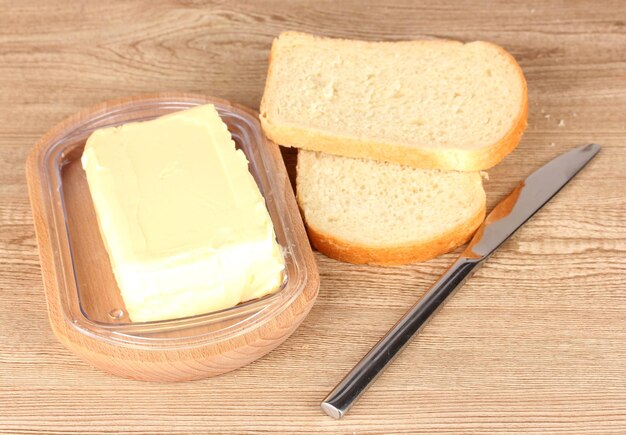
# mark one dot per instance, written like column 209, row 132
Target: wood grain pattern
column 535, row 341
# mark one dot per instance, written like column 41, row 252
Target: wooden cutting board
column 536, row 340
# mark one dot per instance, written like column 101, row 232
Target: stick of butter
column 183, row 221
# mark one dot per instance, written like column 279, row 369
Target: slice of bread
column 431, row 104
column 364, row 211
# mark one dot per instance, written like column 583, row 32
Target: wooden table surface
column 536, row 340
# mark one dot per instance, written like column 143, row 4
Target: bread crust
column 341, row 250
column 431, row 158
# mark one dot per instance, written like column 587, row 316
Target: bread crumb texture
column 374, row 205
column 429, row 96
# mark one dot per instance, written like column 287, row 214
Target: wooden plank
column 536, row 341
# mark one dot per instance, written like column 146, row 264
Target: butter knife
column 508, row 216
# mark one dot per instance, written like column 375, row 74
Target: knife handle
column 348, row 391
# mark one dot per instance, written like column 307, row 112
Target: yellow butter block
column 183, row 221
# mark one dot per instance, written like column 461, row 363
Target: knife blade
column 503, row 221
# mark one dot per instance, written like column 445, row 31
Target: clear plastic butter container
column 85, row 306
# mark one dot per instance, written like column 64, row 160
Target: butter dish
column 85, row 307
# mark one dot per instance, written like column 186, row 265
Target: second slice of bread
column 431, row 104
column 363, row 211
